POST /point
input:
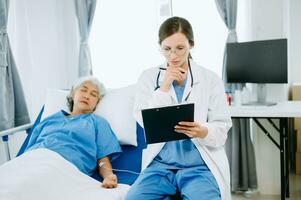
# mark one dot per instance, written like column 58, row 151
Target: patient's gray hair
column 100, row 88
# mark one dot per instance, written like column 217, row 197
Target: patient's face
column 85, row 98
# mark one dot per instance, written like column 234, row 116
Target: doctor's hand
column 173, row 73
column 192, row 129
column 110, row 181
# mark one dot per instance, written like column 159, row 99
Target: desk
column 283, row 111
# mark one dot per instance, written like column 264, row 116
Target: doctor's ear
column 191, row 47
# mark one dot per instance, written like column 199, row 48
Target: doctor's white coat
column 211, row 110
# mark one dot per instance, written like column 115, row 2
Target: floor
column 295, row 192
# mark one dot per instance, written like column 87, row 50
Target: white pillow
column 55, row 100
column 116, row 107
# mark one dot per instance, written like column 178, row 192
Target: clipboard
column 159, row 122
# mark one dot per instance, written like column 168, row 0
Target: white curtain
column 85, row 12
column 44, row 40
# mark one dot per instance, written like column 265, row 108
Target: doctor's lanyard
column 158, row 76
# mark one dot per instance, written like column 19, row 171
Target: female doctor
column 197, row 167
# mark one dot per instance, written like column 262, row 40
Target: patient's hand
column 110, row 181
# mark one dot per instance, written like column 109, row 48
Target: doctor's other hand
column 192, row 129
column 110, row 181
column 173, row 73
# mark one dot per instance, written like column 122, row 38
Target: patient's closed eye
column 93, row 94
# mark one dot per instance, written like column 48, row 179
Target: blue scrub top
column 80, row 139
column 178, row 154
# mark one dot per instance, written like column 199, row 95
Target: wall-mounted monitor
column 258, row 62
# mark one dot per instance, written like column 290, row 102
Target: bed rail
column 12, row 131
column 15, row 130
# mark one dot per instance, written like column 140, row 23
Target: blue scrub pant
column 197, row 183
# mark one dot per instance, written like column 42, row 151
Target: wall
column 270, row 19
column 267, row 23
column 294, row 32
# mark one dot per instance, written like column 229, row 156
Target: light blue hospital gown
column 80, row 139
column 178, row 166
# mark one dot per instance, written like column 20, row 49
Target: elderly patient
column 80, row 137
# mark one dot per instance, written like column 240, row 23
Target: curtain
column 84, row 11
column 13, row 110
column 44, row 40
column 239, row 146
column 45, row 43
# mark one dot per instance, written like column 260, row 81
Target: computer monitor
column 258, row 62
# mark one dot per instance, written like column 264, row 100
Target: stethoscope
column 191, row 76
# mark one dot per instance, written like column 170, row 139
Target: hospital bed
column 79, row 186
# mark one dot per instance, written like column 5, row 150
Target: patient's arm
column 105, row 171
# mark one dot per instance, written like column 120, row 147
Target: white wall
column 210, row 32
column 267, row 23
column 271, row 19
column 123, row 40
column 112, row 53
column 294, row 33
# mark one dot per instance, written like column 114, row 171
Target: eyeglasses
column 180, row 51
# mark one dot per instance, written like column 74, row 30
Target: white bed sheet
column 44, row 174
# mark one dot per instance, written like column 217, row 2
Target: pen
column 162, row 68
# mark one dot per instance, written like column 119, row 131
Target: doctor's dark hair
column 174, row 25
